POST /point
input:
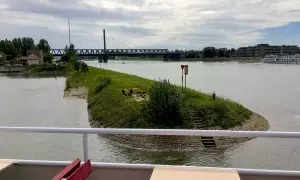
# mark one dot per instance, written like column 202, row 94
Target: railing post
column 85, row 146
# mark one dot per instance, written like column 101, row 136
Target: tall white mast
column 69, row 32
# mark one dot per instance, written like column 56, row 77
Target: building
column 261, row 50
column 38, row 53
column 246, row 51
column 33, row 57
column 30, row 60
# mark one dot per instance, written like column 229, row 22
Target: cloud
column 148, row 23
column 74, row 9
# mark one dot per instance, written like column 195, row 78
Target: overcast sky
column 183, row 24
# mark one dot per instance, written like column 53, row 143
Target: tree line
column 207, row 52
column 19, row 47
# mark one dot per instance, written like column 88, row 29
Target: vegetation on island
column 114, row 101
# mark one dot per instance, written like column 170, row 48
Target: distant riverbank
column 43, row 70
column 215, row 59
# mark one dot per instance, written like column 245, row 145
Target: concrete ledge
column 5, row 164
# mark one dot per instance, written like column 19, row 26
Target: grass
column 108, row 107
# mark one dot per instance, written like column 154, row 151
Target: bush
column 164, row 104
column 68, row 85
column 220, row 113
column 45, row 67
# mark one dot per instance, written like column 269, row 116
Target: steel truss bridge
column 115, row 52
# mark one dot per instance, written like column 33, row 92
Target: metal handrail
column 172, row 132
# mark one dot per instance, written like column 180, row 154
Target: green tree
column 209, row 52
column 164, row 104
column 227, row 54
column 18, row 44
column 27, row 44
column 221, row 52
column 9, row 49
column 2, row 56
column 48, row 57
column 72, row 47
column 43, row 45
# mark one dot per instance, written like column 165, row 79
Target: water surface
column 271, row 90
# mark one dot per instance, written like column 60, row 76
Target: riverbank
column 225, row 59
column 215, row 59
column 45, row 70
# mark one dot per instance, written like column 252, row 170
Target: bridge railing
column 162, row 132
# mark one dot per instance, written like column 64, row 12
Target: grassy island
column 110, row 104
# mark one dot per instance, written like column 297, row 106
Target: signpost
column 182, row 66
column 186, row 71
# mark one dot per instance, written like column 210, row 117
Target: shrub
column 164, row 104
column 68, row 85
column 221, row 113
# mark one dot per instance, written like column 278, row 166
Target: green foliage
column 8, row 48
column 68, row 85
column 48, row 57
column 76, row 66
column 108, row 107
column 20, row 46
column 32, row 69
column 102, row 83
column 225, row 114
column 164, row 104
column 44, row 46
column 209, row 52
column 70, row 55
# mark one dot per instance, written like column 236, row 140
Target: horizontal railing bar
column 151, row 166
column 173, row 132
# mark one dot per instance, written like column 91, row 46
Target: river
column 271, row 90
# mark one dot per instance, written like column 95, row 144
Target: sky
column 171, row 24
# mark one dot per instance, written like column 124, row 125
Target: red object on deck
column 182, row 66
column 82, row 172
column 67, row 171
column 75, row 172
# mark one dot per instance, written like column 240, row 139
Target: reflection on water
column 270, row 90
column 213, row 157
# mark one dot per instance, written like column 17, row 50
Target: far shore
column 215, row 59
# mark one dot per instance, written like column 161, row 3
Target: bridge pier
column 105, row 58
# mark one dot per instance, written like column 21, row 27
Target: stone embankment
column 190, row 143
column 80, row 92
column 179, row 143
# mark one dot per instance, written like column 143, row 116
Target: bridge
column 103, row 54
column 114, row 52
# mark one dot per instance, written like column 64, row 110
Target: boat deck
column 39, row 169
column 15, row 171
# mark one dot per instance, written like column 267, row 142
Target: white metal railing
column 174, row 132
